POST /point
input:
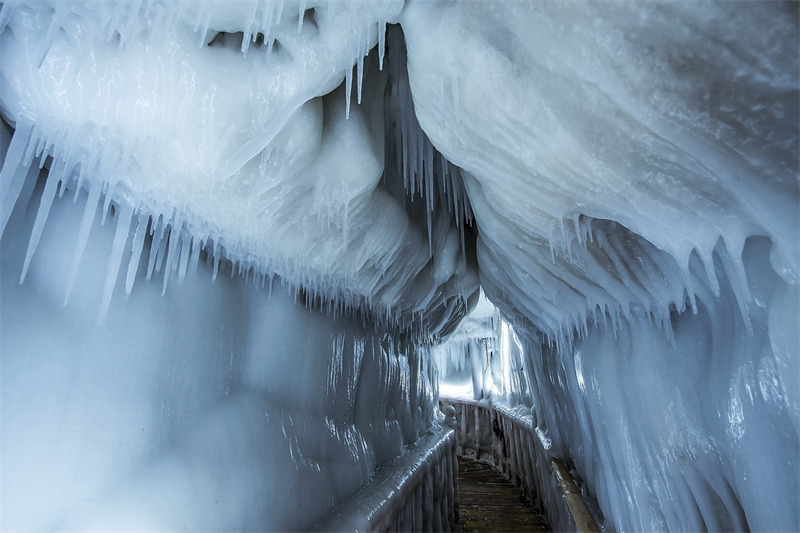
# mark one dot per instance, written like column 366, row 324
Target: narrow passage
column 488, row 502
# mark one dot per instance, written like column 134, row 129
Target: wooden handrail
column 584, row 521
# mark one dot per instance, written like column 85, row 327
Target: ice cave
column 249, row 247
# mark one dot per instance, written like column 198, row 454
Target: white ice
column 621, row 179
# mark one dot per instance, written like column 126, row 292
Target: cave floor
column 488, row 502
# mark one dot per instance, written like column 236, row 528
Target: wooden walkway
column 488, row 502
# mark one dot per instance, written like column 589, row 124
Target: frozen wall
column 226, row 283
column 704, row 432
column 215, row 406
column 633, row 173
column 622, row 180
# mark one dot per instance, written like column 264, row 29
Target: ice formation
column 621, row 179
column 636, row 199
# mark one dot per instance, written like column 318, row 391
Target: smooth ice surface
column 621, row 178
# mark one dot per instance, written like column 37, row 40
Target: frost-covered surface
column 631, row 170
column 212, row 407
column 238, row 124
column 633, row 173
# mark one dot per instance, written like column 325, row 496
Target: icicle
column 429, row 221
column 113, row 22
column 89, row 212
column 136, row 252
column 50, row 35
column 734, row 269
column 348, row 84
column 163, row 242
column 107, row 203
column 43, row 149
column 428, row 168
column 6, row 10
column 125, row 214
column 183, row 261
column 381, row 42
column 266, row 20
column 687, row 280
column 360, row 70
column 205, row 16
column 157, row 231
column 171, row 261
column 301, row 8
column 711, row 272
column 668, row 329
column 194, row 260
column 215, row 253
column 45, row 203
column 11, row 176
column 22, row 188
column 248, row 28
column 578, row 233
column 62, row 188
column 404, row 145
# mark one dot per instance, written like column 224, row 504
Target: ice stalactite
column 275, row 169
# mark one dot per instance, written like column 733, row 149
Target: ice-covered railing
column 502, row 437
column 417, row 491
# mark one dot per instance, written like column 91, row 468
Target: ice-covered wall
column 226, row 281
column 633, row 173
column 695, row 432
column 622, row 179
column 216, row 406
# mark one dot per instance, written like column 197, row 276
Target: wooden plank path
column 488, row 502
